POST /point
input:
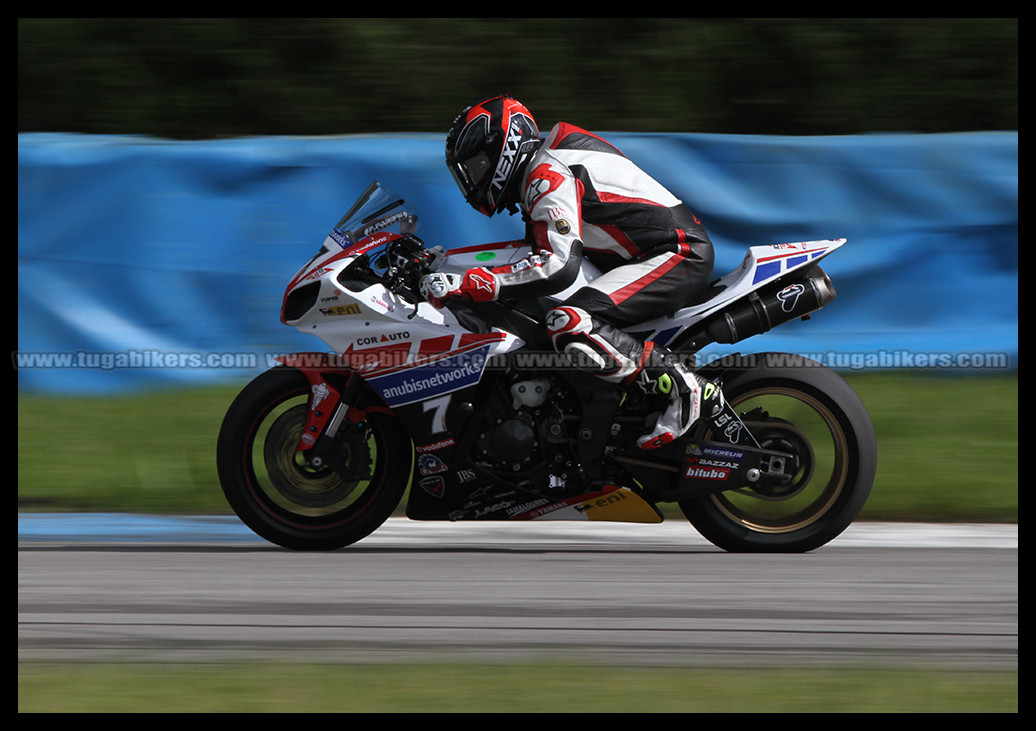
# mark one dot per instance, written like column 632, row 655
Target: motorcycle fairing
column 761, row 266
column 417, row 370
column 608, row 503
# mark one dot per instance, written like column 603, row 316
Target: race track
column 205, row 589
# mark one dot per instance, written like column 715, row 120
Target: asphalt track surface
column 205, row 589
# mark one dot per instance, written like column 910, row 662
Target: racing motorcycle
column 471, row 408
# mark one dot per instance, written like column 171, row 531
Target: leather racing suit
column 583, row 197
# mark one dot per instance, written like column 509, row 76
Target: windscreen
column 376, row 210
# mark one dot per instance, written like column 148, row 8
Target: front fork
column 329, row 408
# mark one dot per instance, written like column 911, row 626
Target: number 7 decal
column 439, row 405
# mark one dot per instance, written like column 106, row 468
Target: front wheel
column 275, row 493
column 797, row 406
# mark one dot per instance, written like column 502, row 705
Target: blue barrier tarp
column 139, row 246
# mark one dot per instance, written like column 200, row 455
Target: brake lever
column 398, row 286
column 413, row 267
column 407, row 295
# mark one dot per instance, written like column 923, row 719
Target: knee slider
column 562, row 321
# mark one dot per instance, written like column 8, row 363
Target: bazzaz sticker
column 717, row 463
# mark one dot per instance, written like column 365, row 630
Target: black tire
column 813, row 412
column 273, row 492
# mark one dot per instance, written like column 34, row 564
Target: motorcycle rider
column 581, row 197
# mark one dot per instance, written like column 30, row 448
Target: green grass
column 948, row 449
column 512, row 688
column 947, row 446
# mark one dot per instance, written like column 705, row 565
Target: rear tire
column 811, row 411
column 272, row 490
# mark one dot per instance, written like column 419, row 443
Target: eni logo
column 340, row 310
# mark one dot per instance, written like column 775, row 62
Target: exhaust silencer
column 793, row 296
column 771, row 306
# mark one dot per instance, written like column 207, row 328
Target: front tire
column 796, row 405
column 271, row 489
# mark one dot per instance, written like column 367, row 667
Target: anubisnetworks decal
column 422, row 382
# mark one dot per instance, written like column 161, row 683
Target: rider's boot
column 690, row 397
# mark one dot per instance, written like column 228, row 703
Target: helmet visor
column 470, row 173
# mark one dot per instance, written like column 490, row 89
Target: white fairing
column 417, row 352
column 761, row 265
column 406, row 356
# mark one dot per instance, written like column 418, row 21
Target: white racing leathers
column 583, row 197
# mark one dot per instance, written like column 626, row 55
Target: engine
column 523, row 430
column 513, row 441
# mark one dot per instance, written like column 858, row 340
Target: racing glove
column 475, row 284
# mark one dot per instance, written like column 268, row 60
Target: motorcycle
column 471, row 408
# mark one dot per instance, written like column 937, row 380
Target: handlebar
column 408, row 261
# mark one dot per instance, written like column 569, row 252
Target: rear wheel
column 269, row 485
column 796, row 406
